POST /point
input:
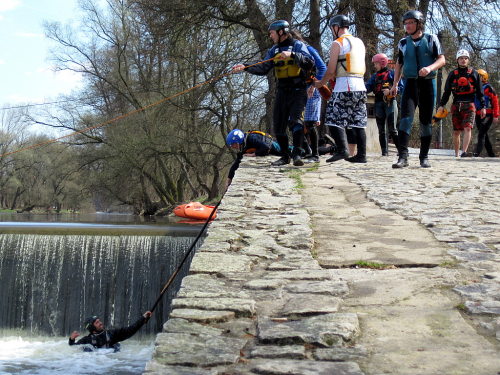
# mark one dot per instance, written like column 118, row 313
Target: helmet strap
column 335, row 33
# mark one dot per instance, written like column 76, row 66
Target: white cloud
column 68, row 76
column 29, row 35
column 8, row 4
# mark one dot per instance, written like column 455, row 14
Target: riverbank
column 274, row 289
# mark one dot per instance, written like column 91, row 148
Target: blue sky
column 25, row 73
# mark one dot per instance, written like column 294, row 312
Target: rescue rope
column 131, row 113
column 186, row 255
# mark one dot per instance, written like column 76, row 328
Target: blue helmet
column 235, row 136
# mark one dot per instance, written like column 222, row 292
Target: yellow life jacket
column 352, row 64
column 285, row 68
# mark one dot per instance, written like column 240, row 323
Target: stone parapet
column 256, row 301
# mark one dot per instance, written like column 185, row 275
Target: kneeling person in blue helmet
column 291, row 62
column 101, row 338
column 254, row 143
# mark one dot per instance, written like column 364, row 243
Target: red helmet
column 381, row 58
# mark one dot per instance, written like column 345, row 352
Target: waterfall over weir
column 49, row 284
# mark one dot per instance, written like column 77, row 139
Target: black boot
column 395, row 139
column 425, row 145
column 360, row 156
column 403, row 142
column 285, row 151
column 313, row 137
column 339, row 136
column 298, row 139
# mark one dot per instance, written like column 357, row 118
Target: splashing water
column 51, row 356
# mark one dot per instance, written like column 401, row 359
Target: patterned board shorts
column 463, row 116
column 347, row 108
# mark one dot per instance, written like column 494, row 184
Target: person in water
column 100, row 338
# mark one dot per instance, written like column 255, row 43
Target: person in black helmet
column 419, row 56
column 347, row 106
column 291, row 63
column 100, row 338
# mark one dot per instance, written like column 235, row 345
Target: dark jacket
column 109, row 338
column 301, row 56
column 451, row 87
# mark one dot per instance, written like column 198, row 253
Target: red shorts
column 463, row 116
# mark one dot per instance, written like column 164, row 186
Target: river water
column 55, row 271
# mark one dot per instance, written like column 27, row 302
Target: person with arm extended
column 101, row 338
column 291, row 61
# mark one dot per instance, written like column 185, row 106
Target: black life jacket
column 462, row 83
column 101, row 340
column 381, row 79
column 267, row 138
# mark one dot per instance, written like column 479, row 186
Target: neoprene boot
column 360, row 156
column 313, row 136
column 395, row 139
column 298, row 139
column 488, row 146
column 403, row 141
column 425, row 145
column 285, row 151
column 339, row 137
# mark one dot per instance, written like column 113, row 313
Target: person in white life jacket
column 386, row 108
column 465, row 85
column 101, row 338
column 291, row 61
column 347, row 105
column 419, row 57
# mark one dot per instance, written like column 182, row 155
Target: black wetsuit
column 109, row 338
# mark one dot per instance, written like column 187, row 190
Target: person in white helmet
column 465, row 85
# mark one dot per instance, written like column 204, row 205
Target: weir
column 51, row 283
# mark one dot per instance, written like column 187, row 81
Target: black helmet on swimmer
column 89, row 323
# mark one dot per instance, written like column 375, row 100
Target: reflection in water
column 88, row 218
column 51, row 283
